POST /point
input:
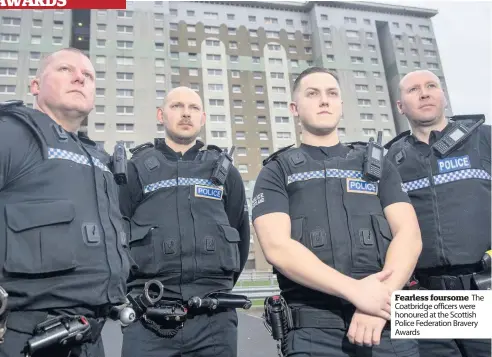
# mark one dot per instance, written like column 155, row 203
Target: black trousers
column 212, row 335
column 455, row 348
column 315, row 342
column 15, row 342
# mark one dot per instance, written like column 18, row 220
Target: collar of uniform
column 85, row 139
column 170, row 154
column 434, row 136
column 325, row 152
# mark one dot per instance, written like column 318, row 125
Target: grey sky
column 464, row 39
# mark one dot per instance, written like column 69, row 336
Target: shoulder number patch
column 214, row 193
column 361, row 186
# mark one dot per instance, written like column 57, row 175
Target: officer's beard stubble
column 181, row 139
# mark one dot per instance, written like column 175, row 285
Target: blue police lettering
column 208, row 192
column 453, row 164
column 361, row 186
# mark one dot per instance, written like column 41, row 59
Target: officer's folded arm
column 406, row 245
column 299, row 264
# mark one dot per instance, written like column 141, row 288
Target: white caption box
column 435, row 314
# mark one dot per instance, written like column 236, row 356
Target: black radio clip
column 458, row 133
column 373, row 161
column 119, row 164
column 222, row 167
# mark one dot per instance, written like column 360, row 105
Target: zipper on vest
column 439, row 238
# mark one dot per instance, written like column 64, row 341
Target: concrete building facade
column 241, row 57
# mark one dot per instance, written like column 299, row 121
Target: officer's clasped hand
column 372, row 296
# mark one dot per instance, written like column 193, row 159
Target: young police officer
column 189, row 231
column 61, row 230
column 451, row 195
column 328, row 232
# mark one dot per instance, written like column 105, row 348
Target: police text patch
column 453, row 163
column 213, row 193
column 361, row 186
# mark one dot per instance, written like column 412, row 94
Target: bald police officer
column 61, row 233
column 340, row 243
column 450, row 189
column 189, row 231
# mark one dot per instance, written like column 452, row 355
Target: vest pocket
column 40, row 239
column 365, row 255
column 216, row 248
column 296, row 228
column 383, row 236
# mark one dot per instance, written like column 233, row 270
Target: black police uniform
column 339, row 217
column 62, row 239
column 451, row 196
column 190, row 235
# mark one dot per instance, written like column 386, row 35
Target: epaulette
column 275, row 154
column 468, row 117
column 396, row 138
column 10, row 103
column 214, row 147
column 140, row 147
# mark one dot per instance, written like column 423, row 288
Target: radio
column 373, row 162
column 456, row 135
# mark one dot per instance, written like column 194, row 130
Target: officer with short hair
column 340, row 242
column 62, row 241
column 445, row 168
column 189, row 230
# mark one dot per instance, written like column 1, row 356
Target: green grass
column 247, row 284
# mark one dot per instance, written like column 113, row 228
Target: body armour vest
column 451, row 196
column 61, row 229
column 180, row 232
column 335, row 214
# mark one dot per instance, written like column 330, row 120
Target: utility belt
column 165, row 317
column 280, row 318
column 50, row 330
column 463, row 277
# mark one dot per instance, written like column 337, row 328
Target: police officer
column 188, row 232
column 451, row 195
column 329, row 233
column 61, row 231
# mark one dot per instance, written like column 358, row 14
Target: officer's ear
column 400, row 107
column 203, row 119
column 293, row 109
column 34, row 87
column 160, row 115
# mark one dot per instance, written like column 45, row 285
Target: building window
column 263, row 135
column 124, row 61
column 160, row 94
column 235, row 74
column 382, row 103
column 100, row 75
column 37, row 23
column 387, row 132
column 35, row 40
column 100, row 92
column 357, row 60
column 369, row 35
column 214, row 72
column 100, row 59
column 258, row 75
column 261, row 119
column 238, row 119
column 236, row 88
column 122, row 128
column 159, row 46
column 280, row 105
column 341, row 131
column 384, row 117
column 374, row 61
column 369, row 132
column 362, row 88
column 7, row 89
column 243, row 168
column 283, row 135
column 366, row 116
column 350, row 20
column 282, row 120
column 125, row 14
column 215, row 87
column 99, row 126
column 8, row 72
column 100, row 109
column 11, row 21
column 240, row 135
column 101, row 27
column 352, row 34
column 355, row 46
column 124, row 110
column 124, row 76
column 237, row 103
column 216, row 102
column 364, row 102
column 101, row 43
column 379, row 88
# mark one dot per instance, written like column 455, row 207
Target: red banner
column 62, row 4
